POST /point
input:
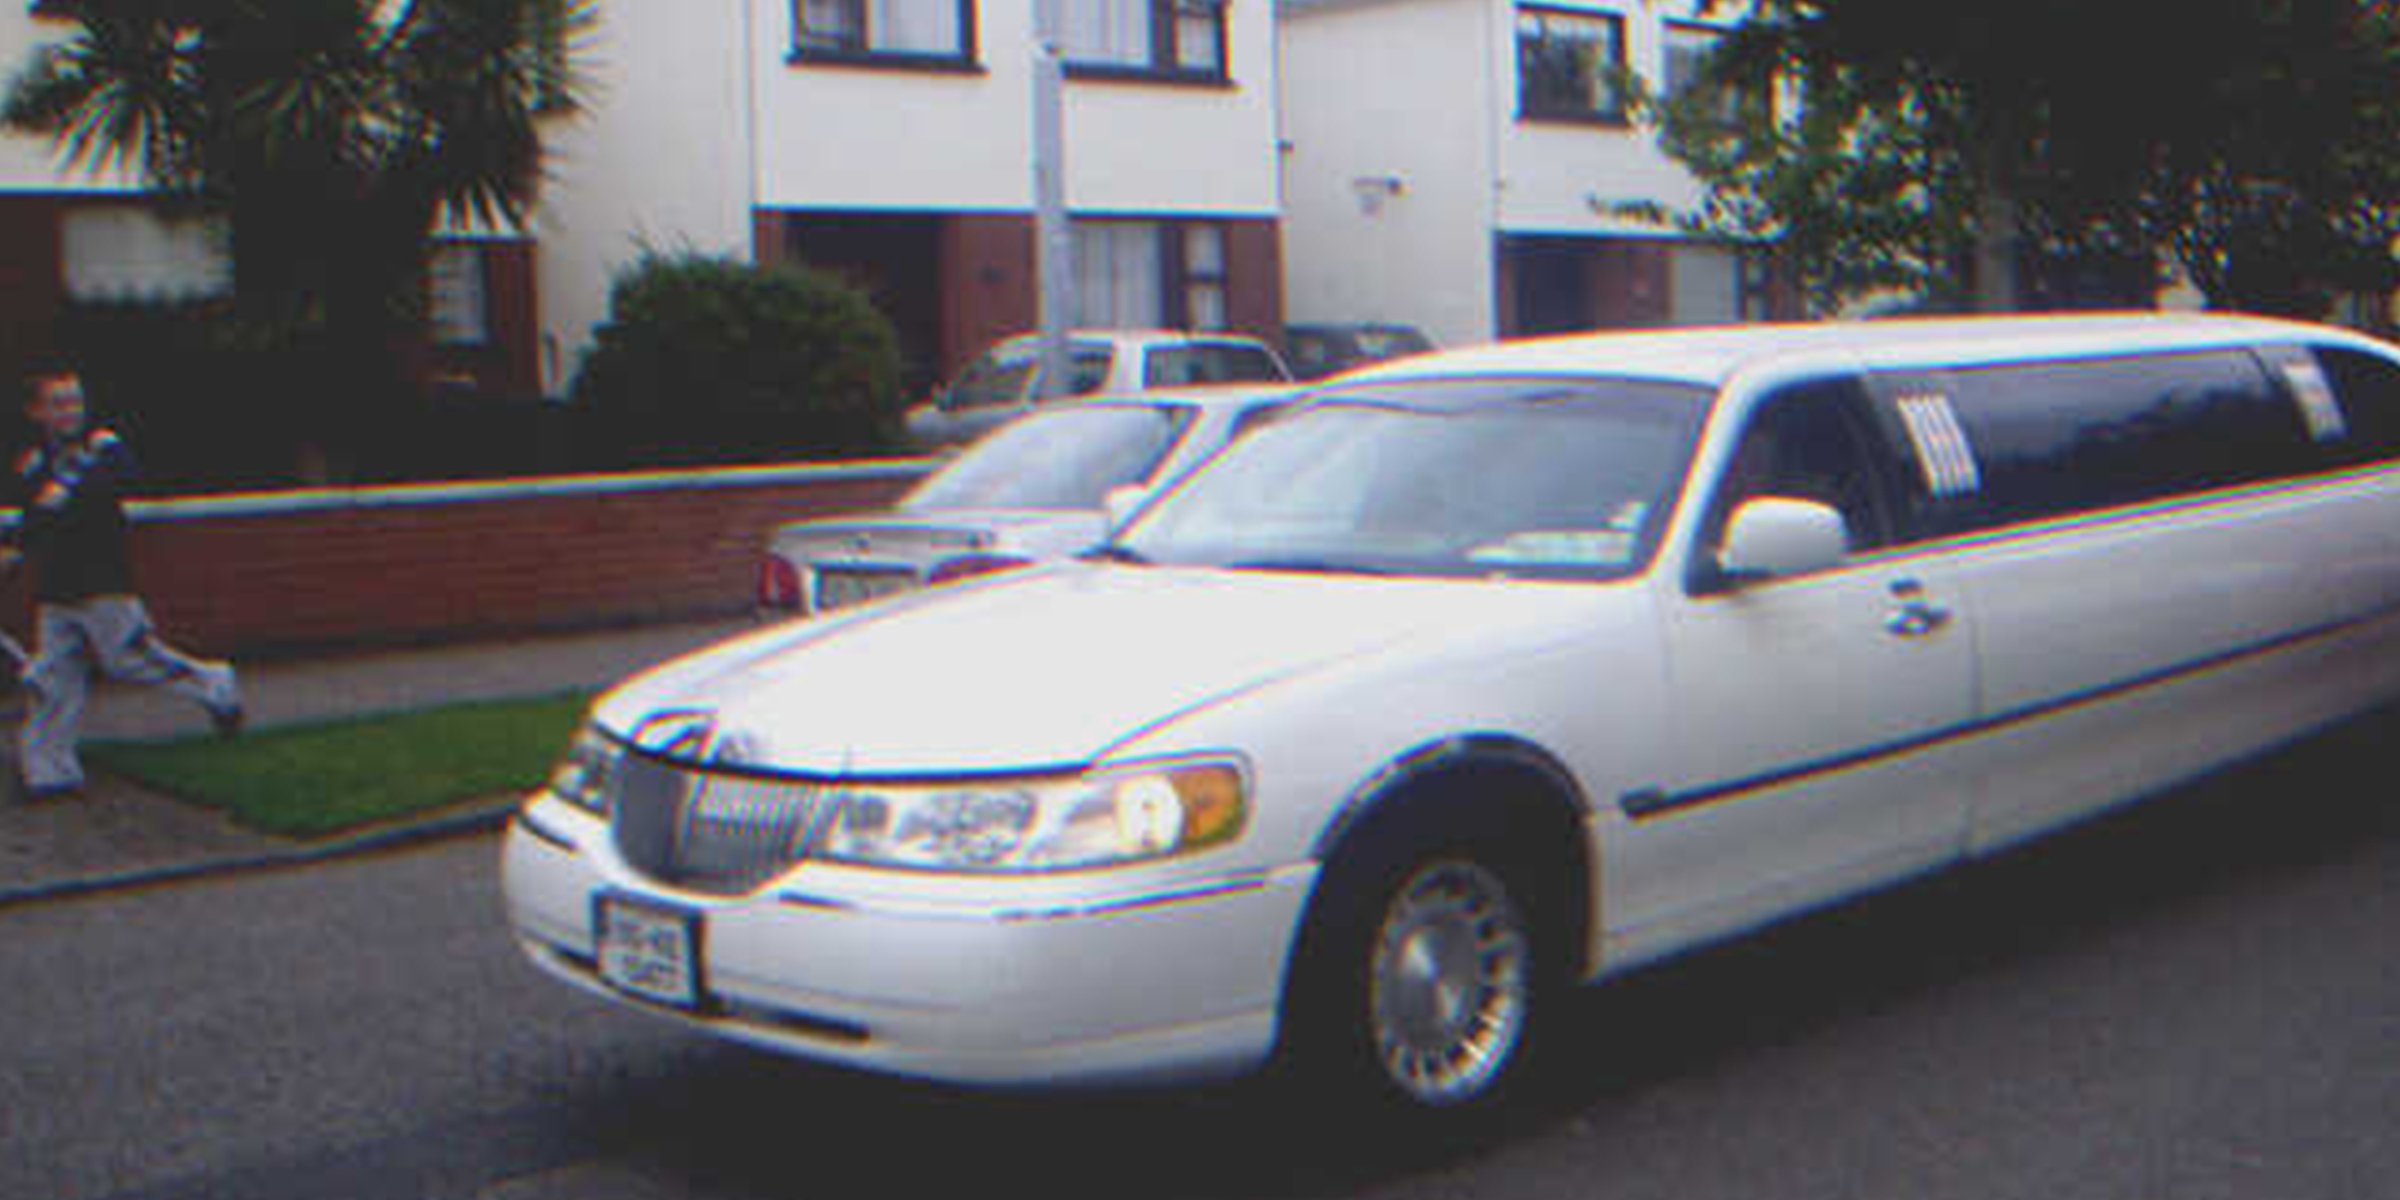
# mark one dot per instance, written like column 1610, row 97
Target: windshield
column 1056, row 458
column 1211, row 362
column 1521, row 477
column 1004, row 375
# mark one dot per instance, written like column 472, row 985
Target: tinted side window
column 2056, row 438
column 2369, row 388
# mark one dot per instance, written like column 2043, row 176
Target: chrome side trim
column 1010, row 914
column 540, row 832
column 1651, row 803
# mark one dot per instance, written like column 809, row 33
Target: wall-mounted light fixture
column 1373, row 190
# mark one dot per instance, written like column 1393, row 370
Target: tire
column 1421, row 977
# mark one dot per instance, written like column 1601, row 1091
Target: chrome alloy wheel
column 1450, row 983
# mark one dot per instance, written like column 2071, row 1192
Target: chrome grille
column 708, row 830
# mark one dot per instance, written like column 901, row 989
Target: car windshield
column 1210, row 362
column 1004, row 375
column 1389, row 342
column 1066, row 457
column 1521, row 477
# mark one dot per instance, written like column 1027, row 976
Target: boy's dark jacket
column 73, row 527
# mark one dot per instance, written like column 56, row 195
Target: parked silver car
column 1038, row 487
column 1003, row 381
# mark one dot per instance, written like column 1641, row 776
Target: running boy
column 88, row 618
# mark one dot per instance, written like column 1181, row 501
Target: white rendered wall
column 659, row 161
column 29, row 164
column 1147, row 148
column 1400, row 92
column 844, row 138
column 1566, row 178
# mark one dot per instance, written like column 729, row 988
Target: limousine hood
column 1044, row 669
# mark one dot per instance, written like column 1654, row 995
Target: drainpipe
column 1054, row 245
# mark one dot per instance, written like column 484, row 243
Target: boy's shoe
column 52, row 791
column 225, row 713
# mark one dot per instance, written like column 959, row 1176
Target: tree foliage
column 2250, row 142
column 335, row 134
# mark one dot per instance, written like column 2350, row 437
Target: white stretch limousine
column 1483, row 672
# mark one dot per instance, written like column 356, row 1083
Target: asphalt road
column 2200, row 1000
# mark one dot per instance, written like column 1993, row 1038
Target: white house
column 887, row 140
column 1468, row 166
column 69, row 236
column 890, row 141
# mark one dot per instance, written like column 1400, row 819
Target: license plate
column 838, row 588
column 653, row 953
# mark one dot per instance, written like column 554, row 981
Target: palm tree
column 335, row 135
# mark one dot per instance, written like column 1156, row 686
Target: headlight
column 1101, row 819
column 582, row 775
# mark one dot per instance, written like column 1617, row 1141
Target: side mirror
column 1774, row 536
column 1119, row 505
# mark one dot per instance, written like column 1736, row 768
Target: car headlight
column 1101, row 819
column 582, row 775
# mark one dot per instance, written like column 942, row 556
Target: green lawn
column 315, row 780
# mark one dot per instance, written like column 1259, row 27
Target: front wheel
column 1419, row 977
column 1449, row 983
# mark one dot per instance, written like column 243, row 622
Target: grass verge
column 308, row 781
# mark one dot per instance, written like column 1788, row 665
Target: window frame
column 1613, row 110
column 1847, row 410
column 861, row 53
column 1180, row 281
column 458, row 295
column 1164, row 63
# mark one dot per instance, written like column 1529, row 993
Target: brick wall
column 290, row 572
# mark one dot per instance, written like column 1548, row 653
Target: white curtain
column 826, row 21
column 1117, row 274
column 1705, row 283
column 125, row 253
column 916, row 26
column 1105, row 31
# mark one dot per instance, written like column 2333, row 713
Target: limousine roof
column 1712, row 355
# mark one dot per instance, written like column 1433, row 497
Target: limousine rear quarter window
column 2369, row 390
column 2055, row 438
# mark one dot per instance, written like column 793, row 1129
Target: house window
column 1688, row 48
column 458, row 297
column 1200, row 266
column 125, row 253
column 1169, row 38
column 1151, row 274
column 1570, row 65
column 1119, row 283
column 900, row 31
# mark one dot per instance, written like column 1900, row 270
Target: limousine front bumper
column 972, row 981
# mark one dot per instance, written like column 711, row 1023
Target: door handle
column 1912, row 615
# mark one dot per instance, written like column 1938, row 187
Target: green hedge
column 703, row 361
column 711, row 360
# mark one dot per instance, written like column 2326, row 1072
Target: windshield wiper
column 1311, row 566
